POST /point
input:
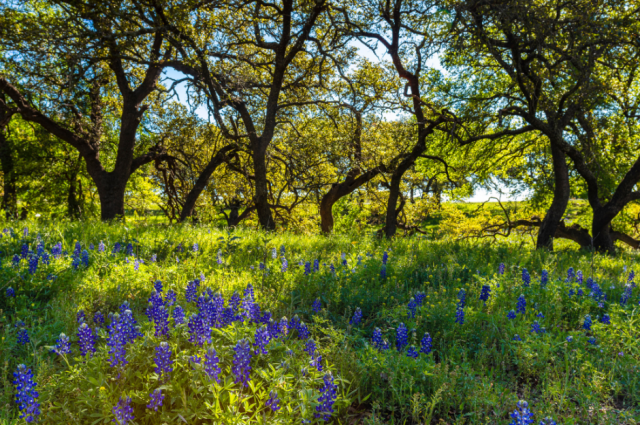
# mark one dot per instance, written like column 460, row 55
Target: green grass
column 475, row 374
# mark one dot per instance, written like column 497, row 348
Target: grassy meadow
column 436, row 343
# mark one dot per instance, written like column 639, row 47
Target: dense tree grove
column 288, row 113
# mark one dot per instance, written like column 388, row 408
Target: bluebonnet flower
column 129, row 250
column 517, row 337
column 283, row 326
column 316, row 265
column 157, row 285
column 411, row 352
column 310, row 347
column 170, row 298
column 248, row 292
column 199, row 333
column 411, row 307
column 327, row 398
column 163, row 359
column 544, row 278
column 98, row 318
column 195, row 247
column 332, row 269
column 242, row 362
column 511, row 315
column 80, row 316
column 261, row 340
column 101, row 247
column 285, row 264
column 56, row 250
column 62, row 346
column 116, row 342
column 45, row 258
column 501, row 269
column 86, row 340
column 579, row 277
column 383, row 272
column 587, row 322
column 460, row 316
column 24, row 252
column 401, row 337
column 419, row 297
column 357, row 317
column 385, row 257
column 15, row 260
column 547, row 421
column 316, row 361
column 378, row 342
column 303, row 331
column 540, row 315
column 605, row 319
column 273, row 401
column 123, row 411
column 156, row 400
column 535, row 327
column 462, row 298
column 526, row 278
column 178, row 315
column 316, row 306
column 219, row 257
column 11, row 292
column 75, row 263
column 521, row 306
column 33, row 264
column 192, row 289
column 570, row 274
column 592, row 341
column 282, row 250
column 522, row 415
column 274, row 253
column 85, row 258
column 569, row 338
column 26, row 394
column 23, row 336
column 485, row 292
column 116, row 248
column 161, row 321
column 425, row 344
column 129, row 327
column 76, row 249
column 154, row 258
column 211, row 367
column 25, row 232
column 307, row 268
column 626, row 294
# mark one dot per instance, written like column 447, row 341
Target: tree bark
column 9, row 198
column 261, row 195
column 560, row 201
column 192, row 197
column 353, row 181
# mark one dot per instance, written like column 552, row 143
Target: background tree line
column 284, row 112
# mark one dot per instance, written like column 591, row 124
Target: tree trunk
column 73, row 206
column 353, row 181
column 201, row 183
column 111, row 194
column 261, row 196
column 9, row 199
column 326, row 209
column 560, row 201
column 391, row 218
column 601, row 232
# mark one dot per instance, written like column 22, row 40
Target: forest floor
column 186, row 325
